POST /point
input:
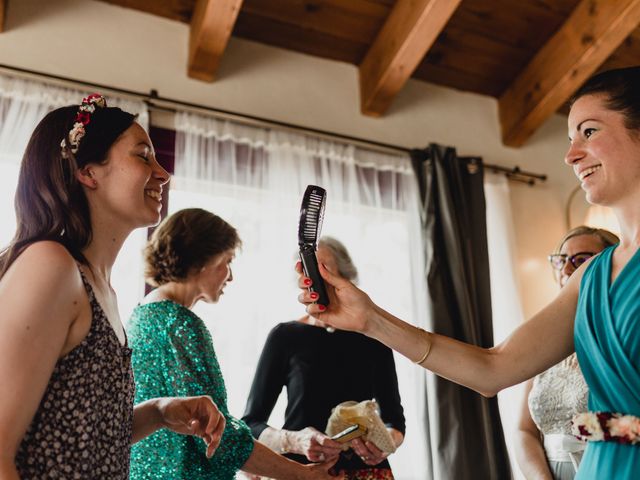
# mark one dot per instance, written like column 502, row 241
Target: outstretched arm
column 532, row 348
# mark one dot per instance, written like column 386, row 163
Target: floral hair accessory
column 606, row 427
column 83, row 118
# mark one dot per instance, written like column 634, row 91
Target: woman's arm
column 311, row 443
column 532, row 348
column 528, row 445
column 40, row 294
column 195, row 371
column 387, row 393
column 265, row 462
column 189, row 416
column 388, row 396
column 268, row 380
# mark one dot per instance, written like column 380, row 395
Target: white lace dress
column 556, row 396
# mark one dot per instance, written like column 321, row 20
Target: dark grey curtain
column 466, row 432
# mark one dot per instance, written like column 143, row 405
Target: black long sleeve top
column 320, row 370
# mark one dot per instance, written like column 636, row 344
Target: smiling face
column 214, row 276
column 604, row 154
column 129, row 183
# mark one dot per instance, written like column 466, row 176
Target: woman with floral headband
column 87, row 179
column 544, row 446
column 597, row 312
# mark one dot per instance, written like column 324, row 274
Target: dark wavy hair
column 50, row 203
column 184, row 243
column 621, row 86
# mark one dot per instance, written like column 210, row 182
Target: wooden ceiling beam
column 3, row 14
column 593, row 31
column 211, row 26
column 410, row 30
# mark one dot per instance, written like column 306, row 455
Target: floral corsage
column 606, row 427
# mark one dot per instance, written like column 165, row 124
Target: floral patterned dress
column 83, row 425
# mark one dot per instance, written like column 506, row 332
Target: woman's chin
column 152, row 219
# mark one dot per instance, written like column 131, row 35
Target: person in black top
column 322, row 368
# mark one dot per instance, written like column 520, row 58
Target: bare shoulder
column 44, row 273
column 54, row 252
column 46, row 258
column 41, row 297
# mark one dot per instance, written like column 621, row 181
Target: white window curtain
column 254, row 178
column 505, row 297
column 23, row 103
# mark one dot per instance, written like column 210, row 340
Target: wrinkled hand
column 349, row 307
column 368, row 452
column 197, row 416
column 316, row 446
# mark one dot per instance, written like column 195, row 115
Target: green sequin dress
column 173, row 355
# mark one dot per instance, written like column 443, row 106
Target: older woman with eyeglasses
column 545, row 447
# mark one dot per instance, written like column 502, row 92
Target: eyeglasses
column 559, row 260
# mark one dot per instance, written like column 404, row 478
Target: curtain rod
column 154, row 100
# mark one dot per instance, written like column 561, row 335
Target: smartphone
column 349, row 433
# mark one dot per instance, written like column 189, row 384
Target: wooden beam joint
column 409, row 32
column 211, row 26
column 3, row 14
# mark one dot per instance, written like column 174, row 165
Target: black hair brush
column 311, row 213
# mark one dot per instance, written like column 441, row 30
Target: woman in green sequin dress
column 188, row 258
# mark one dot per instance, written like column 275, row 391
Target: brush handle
column 310, row 267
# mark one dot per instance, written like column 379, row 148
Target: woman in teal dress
column 189, row 259
column 601, row 299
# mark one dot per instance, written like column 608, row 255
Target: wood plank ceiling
column 529, row 54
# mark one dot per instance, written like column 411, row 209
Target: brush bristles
column 312, row 205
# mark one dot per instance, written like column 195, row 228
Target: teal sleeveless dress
column 607, row 341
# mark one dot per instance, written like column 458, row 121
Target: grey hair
column 346, row 268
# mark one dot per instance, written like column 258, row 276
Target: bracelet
column 426, row 353
column 286, row 445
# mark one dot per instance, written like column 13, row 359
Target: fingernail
column 322, row 308
column 313, row 295
column 307, row 281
